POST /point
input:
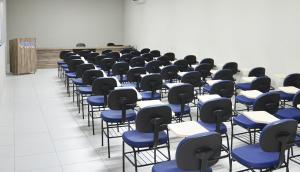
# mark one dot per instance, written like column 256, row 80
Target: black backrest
column 292, row 80
column 217, row 109
column 204, row 69
column 99, row 58
column 280, row 130
column 126, row 57
column 231, row 66
column 106, row 64
column 134, row 74
column 164, row 60
column 68, row 58
column 103, row 86
column 148, row 57
column 170, row 55
column 262, row 84
column 89, row 76
column 169, row 72
column 82, row 68
column 191, row 147
column 72, row 64
column 181, row 94
column 145, row 50
column 153, row 67
column 137, row 62
column 145, row 117
column 223, row 88
column 208, row 61
column 135, row 53
column 257, row 72
column 182, row 65
column 191, row 59
column 120, row 68
column 62, row 54
column 193, row 77
column 268, row 102
column 117, row 99
column 224, row 74
column 155, row 53
column 296, row 100
column 151, row 82
column 114, row 55
column 91, row 57
column 106, row 51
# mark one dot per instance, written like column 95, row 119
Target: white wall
column 63, row 23
column 3, row 42
column 250, row 32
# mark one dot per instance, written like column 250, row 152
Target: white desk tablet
column 182, row 73
column 247, row 79
column 261, row 117
column 206, row 98
column 212, row 82
column 170, row 85
column 214, row 71
column 139, row 96
column 188, row 128
column 147, row 103
column 251, row 94
column 289, row 89
column 195, row 65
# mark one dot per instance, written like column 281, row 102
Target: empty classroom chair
column 120, row 70
column 291, row 112
column 150, row 136
column 145, row 50
column 153, row 67
column 151, row 86
column 194, row 153
column 231, row 66
column 106, row 65
column 134, row 76
column 137, row 62
column 272, row 151
column 191, row 59
column 120, row 114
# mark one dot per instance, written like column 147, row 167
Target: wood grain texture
column 23, row 56
column 48, row 57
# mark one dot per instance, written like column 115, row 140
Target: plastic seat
column 253, row 156
column 85, row 90
column 71, row 75
column 176, row 108
column 171, row 166
column 293, row 112
column 244, row 100
column 147, row 95
column 77, row 81
column 116, row 115
column 96, row 100
column 141, row 140
column 286, row 96
column 246, row 123
column 243, row 86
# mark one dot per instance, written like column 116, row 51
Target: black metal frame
column 137, row 154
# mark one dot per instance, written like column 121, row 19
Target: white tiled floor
column 41, row 131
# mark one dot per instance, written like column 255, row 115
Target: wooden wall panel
column 48, row 57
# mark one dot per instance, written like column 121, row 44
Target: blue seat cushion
column 246, row 123
column 244, row 100
column 64, row 66
column 243, row 86
column 61, row 63
column 212, row 127
column 96, row 100
column 147, row 95
column 286, row 96
column 142, row 140
column 252, row 156
column 206, row 88
column 177, row 109
column 289, row 113
column 71, row 75
column 116, row 115
column 77, row 81
column 85, row 90
column 171, row 166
